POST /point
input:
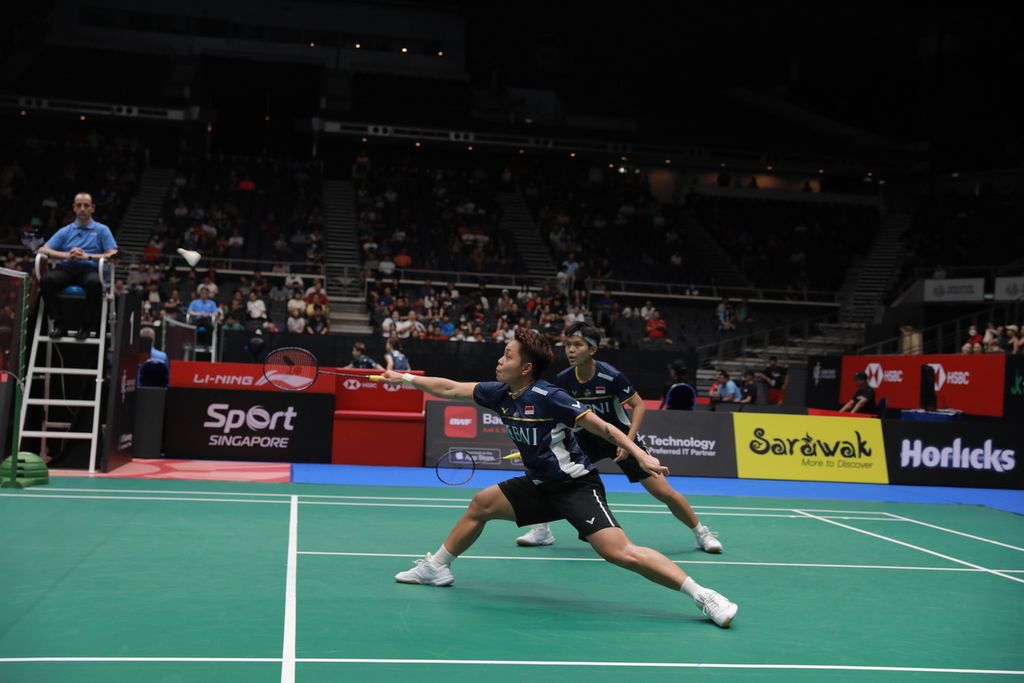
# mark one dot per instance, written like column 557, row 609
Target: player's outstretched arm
column 435, row 386
column 595, row 425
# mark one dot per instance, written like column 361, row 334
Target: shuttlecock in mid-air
column 191, row 257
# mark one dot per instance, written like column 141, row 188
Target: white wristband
column 407, row 378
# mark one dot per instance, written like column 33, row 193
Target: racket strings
column 290, row 368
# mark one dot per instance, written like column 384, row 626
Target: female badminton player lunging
column 560, row 482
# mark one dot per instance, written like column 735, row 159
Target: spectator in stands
column 863, row 400
column 361, row 360
column 974, row 341
column 403, row 260
column 777, row 379
column 297, row 303
column 749, row 389
column 394, row 357
column 317, row 324
column 726, row 390
column 296, row 323
column 657, row 329
column 647, row 311
column 79, row 245
column 1015, row 339
column 990, row 337
column 256, row 308
column 446, row 327
column 676, row 374
column 726, row 316
column 316, row 296
column 231, row 324
column 1000, row 342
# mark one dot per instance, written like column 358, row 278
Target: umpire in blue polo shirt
column 79, row 246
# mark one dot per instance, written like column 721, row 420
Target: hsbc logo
column 952, row 378
column 877, row 375
column 460, row 422
column 391, row 387
column 352, row 384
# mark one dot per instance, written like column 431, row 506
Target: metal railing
column 741, row 344
column 949, row 336
column 631, row 288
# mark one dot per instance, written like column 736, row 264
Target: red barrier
column 363, row 394
column 243, row 376
column 835, row 413
column 367, row 437
column 971, row 383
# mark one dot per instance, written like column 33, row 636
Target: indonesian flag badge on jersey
column 600, row 391
column 527, row 410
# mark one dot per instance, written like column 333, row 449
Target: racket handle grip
column 376, row 378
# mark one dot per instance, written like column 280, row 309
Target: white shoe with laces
column 708, row 542
column 539, row 534
column 427, row 573
column 716, row 606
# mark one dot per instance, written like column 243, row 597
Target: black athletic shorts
column 579, row 501
column 597, row 448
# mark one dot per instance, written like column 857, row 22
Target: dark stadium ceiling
column 935, row 76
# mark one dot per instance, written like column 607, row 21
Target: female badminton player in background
column 560, row 482
column 605, row 390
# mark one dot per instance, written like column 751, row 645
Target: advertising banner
column 955, row 289
column 809, row 448
column 258, row 426
column 823, row 381
column 688, row 443
column 983, row 455
column 1009, row 288
column 971, row 383
column 236, row 376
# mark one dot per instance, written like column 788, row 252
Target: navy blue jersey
column 364, row 363
column 401, row 362
column 604, row 393
column 540, row 422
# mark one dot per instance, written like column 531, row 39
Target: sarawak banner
column 809, row 448
column 971, row 383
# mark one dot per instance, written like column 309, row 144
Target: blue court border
column 1000, row 499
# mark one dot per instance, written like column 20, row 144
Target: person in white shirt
column 296, row 323
column 255, row 307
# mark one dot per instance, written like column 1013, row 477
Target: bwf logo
column 460, row 422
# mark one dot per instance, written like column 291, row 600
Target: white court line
column 45, row 494
column 537, row 663
column 666, row 665
column 463, row 501
column 709, row 562
column 288, row 648
column 914, row 547
column 215, row 660
column 953, row 531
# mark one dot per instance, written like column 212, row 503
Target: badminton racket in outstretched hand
column 293, row 369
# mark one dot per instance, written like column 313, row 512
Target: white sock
column 443, row 557
column 699, row 530
column 691, row 587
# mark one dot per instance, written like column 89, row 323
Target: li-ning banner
column 984, row 455
column 971, row 383
column 241, row 376
column 957, row 289
column 810, row 448
column 249, row 425
column 688, row 443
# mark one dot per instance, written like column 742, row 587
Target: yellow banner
column 810, row 448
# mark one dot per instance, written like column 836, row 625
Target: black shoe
column 82, row 333
column 57, row 330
